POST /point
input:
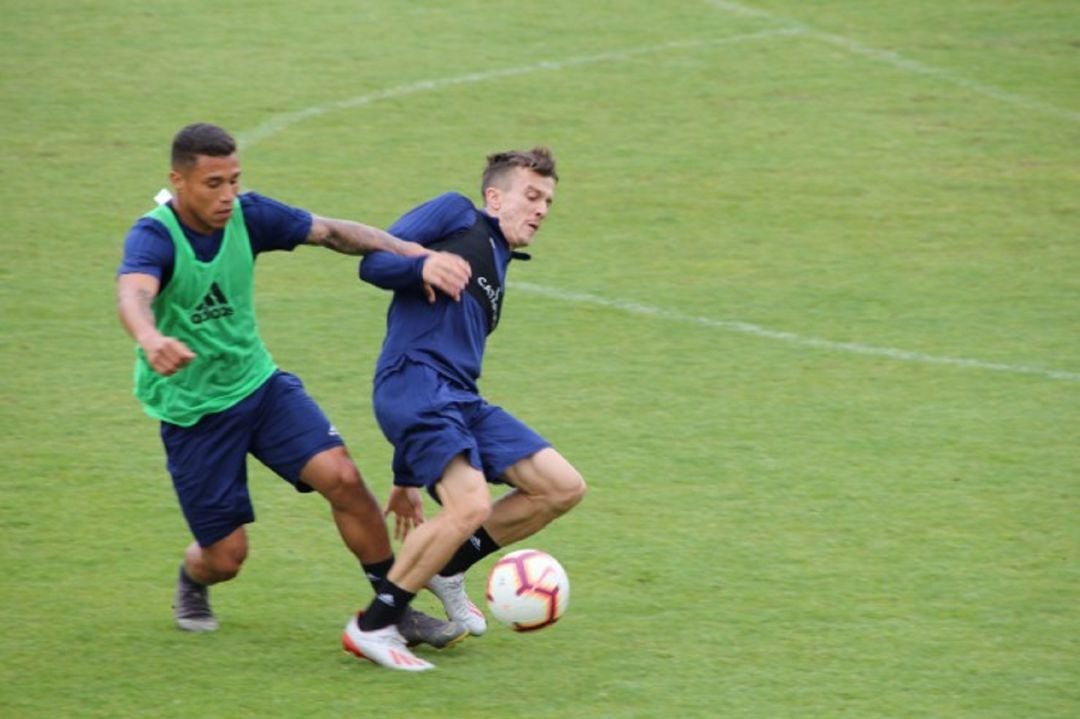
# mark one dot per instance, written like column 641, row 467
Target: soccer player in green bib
column 185, row 295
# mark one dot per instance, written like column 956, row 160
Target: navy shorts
column 279, row 423
column 430, row 421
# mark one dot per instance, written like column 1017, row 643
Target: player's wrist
column 148, row 337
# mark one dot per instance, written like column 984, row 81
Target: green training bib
column 209, row 306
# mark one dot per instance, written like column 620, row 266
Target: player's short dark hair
column 539, row 160
column 200, row 138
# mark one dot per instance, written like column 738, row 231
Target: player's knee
column 476, row 515
column 335, row 476
column 467, row 516
column 225, row 565
column 224, row 570
column 344, row 486
column 568, row 493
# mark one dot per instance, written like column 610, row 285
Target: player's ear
column 492, row 198
column 176, row 178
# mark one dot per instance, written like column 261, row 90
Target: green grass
column 774, row 528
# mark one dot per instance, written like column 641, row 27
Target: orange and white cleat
column 385, row 647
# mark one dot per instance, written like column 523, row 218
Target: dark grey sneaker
column 419, row 628
column 191, row 606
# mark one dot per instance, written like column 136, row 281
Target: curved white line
column 636, row 308
column 899, row 61
column 282, row 122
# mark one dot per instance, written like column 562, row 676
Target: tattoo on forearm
column 351, row 238
column 340, row 242
column 145, row 301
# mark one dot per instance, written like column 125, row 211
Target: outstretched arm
column 134, row 294
column 355, row 238
column 447, row 274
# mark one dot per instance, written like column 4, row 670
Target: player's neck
column 189, row 219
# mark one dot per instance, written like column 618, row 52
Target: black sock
column 386, row 608
column 377, row 572
column 472, row 551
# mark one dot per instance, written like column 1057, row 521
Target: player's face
column 205, row 192
column 521, row 204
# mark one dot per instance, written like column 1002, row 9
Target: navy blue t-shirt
column 271, row 225
column 448, row 336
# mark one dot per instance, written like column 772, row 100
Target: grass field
column 806, row 315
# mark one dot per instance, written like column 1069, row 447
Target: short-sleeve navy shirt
column 448, row 336
column 271, row 225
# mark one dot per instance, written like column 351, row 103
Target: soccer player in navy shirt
column 185, row 295
column 446, row 437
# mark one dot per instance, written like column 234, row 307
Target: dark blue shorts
column 279, row 423
column 430, row 421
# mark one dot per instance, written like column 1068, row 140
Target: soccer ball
column 527, row 590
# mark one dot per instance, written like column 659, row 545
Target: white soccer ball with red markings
column 527, row 590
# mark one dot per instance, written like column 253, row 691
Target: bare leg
column 466, row 503
column 355, row 510
column 546, row 486
column 203, row 566
column 220, row 561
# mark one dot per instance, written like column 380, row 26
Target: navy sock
column 386, row 608
column 472, row 551
column 377, row 572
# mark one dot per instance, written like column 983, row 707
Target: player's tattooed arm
column 356, row 238
column 442, row 271
column 135, row 294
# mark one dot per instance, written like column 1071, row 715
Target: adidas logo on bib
column 214, row 306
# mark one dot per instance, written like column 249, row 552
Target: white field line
column 899, row 61
column 635, row 308
column 284, row 121
column 281, row 122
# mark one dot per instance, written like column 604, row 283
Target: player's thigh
column 419, row 413
column 411, row 398
column 502, row 438
column 545, row 472
column 291, row 430
column 207, row 463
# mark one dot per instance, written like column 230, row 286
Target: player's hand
column 408, row 509
column 167, row 355
column 446, row 272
